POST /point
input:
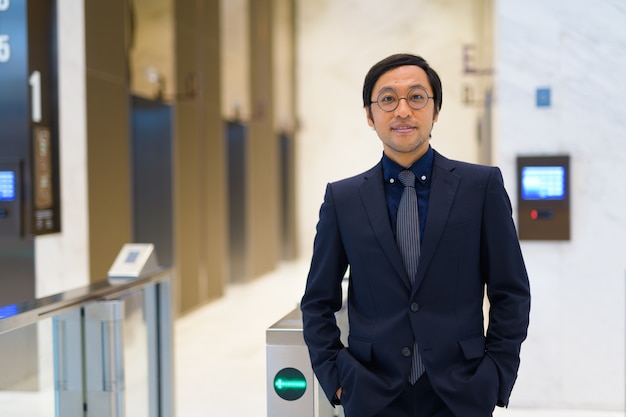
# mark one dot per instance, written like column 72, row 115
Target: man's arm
column 507, row 285
column 323, row 297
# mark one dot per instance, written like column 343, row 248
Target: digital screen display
column 8, row 311
column 543, row 183
column 7, row 185
column 132, row 256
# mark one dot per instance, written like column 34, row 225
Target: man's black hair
column 399, row 60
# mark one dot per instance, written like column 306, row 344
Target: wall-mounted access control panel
column 134, row 260
column 10, row 198
column 543, row 197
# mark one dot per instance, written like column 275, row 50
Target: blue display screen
column 543, row 183
column 8, row 311
column 7, row 185
column 132, row 256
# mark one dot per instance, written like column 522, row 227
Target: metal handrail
column 29, row 312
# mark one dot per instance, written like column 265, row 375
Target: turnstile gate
column 292, row 388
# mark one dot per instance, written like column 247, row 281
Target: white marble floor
column 220, row 351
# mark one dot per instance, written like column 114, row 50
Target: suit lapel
column 375, row 203
column 442, row 191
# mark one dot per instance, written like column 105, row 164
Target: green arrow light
column 289, row 384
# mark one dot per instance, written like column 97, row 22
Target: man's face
column 405, row 132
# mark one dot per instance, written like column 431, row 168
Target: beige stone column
column 108, row 166
column 263, row 246
column 285, row 120
column 199, row 156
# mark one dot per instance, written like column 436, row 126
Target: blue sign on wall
column 543, row 97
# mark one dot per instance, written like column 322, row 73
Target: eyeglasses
column 417, row 98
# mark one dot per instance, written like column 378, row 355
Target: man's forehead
column 403, row 77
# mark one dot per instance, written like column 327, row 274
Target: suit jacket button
column 415, row 307
column 406, row 352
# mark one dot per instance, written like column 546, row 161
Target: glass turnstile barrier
column 103, row 350
column 27, row 390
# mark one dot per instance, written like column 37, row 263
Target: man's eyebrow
column 389, row 88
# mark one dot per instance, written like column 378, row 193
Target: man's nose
column 403, row 109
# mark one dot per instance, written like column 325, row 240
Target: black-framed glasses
column 417, row 98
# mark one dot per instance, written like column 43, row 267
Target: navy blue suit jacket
column 469, row 244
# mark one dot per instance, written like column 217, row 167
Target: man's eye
column 417, row 97
column 387, row 99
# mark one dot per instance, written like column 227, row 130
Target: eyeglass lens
column 417, row 98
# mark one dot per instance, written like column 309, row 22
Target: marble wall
column 337, row 43
column 574, row 355
column 235, row 59
column 63, row 258
column 151, row 50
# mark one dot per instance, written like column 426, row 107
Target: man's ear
column 368, row 114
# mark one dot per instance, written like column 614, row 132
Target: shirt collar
column 422, row 168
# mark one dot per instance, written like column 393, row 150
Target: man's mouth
column 403, row 128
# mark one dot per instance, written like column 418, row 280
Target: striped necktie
column 408, row 239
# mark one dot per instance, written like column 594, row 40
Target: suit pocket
column 473, row 347
column 360, row 349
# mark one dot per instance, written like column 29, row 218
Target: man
column 416, row 343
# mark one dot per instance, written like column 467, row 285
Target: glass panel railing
column 136, row 353
column 104, row 350
column 27, row 376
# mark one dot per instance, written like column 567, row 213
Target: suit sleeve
column 507, row 285
column 323, row 297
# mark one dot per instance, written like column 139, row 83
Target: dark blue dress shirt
column 422, row 168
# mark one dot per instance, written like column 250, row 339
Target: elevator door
column 236, row 146
column 152, row 176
